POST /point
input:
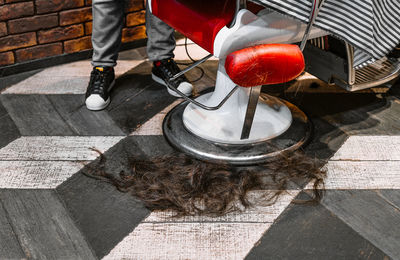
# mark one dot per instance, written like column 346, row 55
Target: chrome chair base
column 183, row 140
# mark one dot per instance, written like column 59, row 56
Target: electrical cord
column 193, row 61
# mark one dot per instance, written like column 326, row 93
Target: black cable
column 193, row 61
column 187, row 51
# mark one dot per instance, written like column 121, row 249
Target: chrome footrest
column 332, row 60
column 375, row 74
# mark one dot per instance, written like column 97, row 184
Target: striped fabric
column 371, row 26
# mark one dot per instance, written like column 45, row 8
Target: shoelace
column 170, row 68
column 97, row 82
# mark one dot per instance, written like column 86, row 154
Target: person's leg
column 161, row 40
column 160, row 50
column 108, row 18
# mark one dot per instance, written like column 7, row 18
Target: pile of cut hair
column 187, row 186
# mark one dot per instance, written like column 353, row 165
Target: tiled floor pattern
column 50, row 210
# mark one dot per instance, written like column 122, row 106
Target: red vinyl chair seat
column 199, row 20
column 265, row 64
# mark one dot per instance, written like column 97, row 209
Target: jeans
column 108, row 21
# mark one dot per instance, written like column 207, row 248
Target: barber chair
column 235, row 124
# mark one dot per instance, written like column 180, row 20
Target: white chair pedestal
column 224, row 125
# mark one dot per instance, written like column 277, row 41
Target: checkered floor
column 50, row 210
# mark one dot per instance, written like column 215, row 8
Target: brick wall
column 37, row 29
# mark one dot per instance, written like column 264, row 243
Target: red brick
column 134, row 5
column 39, row 51
column 48, row 6
column 3, row 29
column 88, row 28
column 88, row 2
column 136, row 18
column 76, row 45
column 34, row 23
column 6, row 58
column 76, row 16
column 132, row 34
column 60, row 33
column 12, row 11
column 17, row 41
column 14, row 1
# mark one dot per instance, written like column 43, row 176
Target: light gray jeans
column 108, row 21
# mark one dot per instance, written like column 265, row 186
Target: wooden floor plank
column 154, row 125
column 257, row 214
column 43, row 225
column 11, row 80
column 369, row 215
column 395, row 89
column 35, row 115
column 388, row 118
column 313, row 232
column 392, row 196
column 189, row 241
column 326, row 140
column 46, row 84
column 353, row 175
column 370, row 148
column 36, row 174
column 57, row 148
column 154, row 146
column 130, row 84
column 9, row 131
column 9, row 245
column 379, row 117
column 83, row 121
column 135, row 111
column 103, row 214
column 70, row 78
column 361, row 113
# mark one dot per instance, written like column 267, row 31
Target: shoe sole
column 162, row 82
column 103, row 106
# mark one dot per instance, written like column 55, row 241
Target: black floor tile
column 83, row 121
column 104, row 215
column 389, row 123
column 154, row 145
column 43, row 226
column 136, row 98
column 395, row 89
column 392, row 196
column 137, row 110
column 370, row 215
column 34, row 115
column 353, row 113
column 325, row 141
column 8, row 81
column 131, row 84
column 8, row 130
column 9, row 246
column 312, row 232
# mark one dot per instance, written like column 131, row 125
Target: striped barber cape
column 371, row 26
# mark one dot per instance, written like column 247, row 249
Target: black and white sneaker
column 162, row 73
column 102, row 80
